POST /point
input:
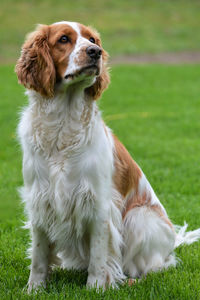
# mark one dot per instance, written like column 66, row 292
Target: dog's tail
column 183, row 237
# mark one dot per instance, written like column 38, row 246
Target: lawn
column 137, row 26
column 155, row 112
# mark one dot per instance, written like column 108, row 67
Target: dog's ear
column 35, row 68
column 102, row 81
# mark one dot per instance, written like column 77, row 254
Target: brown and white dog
column 89, row 205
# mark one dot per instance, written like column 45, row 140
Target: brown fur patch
column 61, row 52
column 108, row 281
column 127, row 173
column 35, row 68
column 126, row 178
column 136, row 201
column 43, row 59
column 88, row 32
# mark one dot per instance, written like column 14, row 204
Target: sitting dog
column 88, row 204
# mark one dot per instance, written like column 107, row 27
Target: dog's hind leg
column 149, row 242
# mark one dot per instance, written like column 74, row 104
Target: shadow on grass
column 60, row 278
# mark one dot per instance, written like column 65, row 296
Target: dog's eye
column 64, row 39
column 92, row 40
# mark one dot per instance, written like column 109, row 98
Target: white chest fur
column 67, row 165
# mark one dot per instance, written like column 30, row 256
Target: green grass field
column 155, row 112
column 137, row 26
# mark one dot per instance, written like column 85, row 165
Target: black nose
column 94, row 52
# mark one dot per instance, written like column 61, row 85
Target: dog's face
column 65, row 53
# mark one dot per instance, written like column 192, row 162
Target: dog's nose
column 94, row 52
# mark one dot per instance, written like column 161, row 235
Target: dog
column 88, row 204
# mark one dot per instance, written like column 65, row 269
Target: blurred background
column 127, row 27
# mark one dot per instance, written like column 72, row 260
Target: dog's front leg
column 39, row 255
column 97, row 274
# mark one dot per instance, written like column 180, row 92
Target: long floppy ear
column 102, row 81
column 35, row 68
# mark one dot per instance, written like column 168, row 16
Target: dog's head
column 65, row 53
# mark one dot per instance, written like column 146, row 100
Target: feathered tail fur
column 183, row 237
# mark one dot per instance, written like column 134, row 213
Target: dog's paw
column 35, row 285
column 96, row 282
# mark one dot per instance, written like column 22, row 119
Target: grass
column 127, row 27
column 155, row 111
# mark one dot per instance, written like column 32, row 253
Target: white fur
column 183, row 237
column 149, row 242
